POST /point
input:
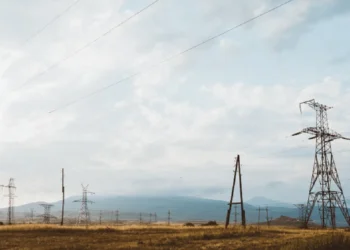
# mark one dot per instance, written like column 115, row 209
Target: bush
column 188, row 224
column 210, row 223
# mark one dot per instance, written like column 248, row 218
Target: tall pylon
column 47, row 213
column 301, row 211
column 237, row 169
column 11, row 194
column 326, row 194
column 84, row 214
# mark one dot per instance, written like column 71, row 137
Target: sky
column 176, row 127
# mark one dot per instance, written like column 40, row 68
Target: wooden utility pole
column 237, row 169
column 168, row 217
column 117, row 216
column 259, row 216
column 235, row 214
column 32, row 215
column 63, row 197
column 267, row 216
column 241, row 192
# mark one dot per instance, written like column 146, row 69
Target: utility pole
column 100, row 217
column 301, row 212
column 235, row 214
column 32, row 214
column 62, row 217
column 140, row 218
column 150, row 218
column 259, row 216
column 47, row 213
column 237, row 169
column 84, row 214
column 329, row 195
column 155, row 217
column 169, row 218
column 267, row 217
column 117, row 216
column 11, row 194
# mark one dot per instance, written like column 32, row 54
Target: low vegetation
column 210, row 223
column 170, row 237
column 188, row 224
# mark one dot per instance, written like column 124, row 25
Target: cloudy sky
column 176, row 128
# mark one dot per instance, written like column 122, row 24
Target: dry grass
column 169, row 237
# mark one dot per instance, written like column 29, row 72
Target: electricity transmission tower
column 84, row 214
column 301, row 211
column 31, row 214
column 327, row 194
column 268, row 219
column 237, row 169
column 235, row 214
column 11, row 194
column 47, row 213
column 259, row 215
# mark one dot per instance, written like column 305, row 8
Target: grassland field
column 170, row 237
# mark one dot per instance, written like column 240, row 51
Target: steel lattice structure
column 47, row 213
column 84, row 214
column 330, row 194
column 301, row 210
column 11, row 194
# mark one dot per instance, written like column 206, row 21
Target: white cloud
column 184, row 118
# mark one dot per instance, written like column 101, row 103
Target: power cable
column 52, row 21
column 42, row 29
column 171, row 57
column 38, row 32
column 87, row 44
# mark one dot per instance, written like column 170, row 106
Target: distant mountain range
column 262, row 201
column 181, row 208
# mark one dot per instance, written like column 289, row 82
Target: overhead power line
column 171, row 57
column 87, row 44
column 38, row 32
column 52, row 21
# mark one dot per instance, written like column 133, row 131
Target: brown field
column 169, row 237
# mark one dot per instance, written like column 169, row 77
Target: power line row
column 170, row 57
column 42, row 29
column 87, row 45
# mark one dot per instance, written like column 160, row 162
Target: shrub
column 188, row 224
column 210, row 223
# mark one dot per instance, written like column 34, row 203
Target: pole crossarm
column 314, row 105
column 319, row 132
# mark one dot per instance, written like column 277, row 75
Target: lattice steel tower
column 84, row 214
column 329, row 193
column 47, row 213
column 11, row 194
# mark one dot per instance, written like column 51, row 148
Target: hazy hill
column 182, row 208
column 262, row 201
